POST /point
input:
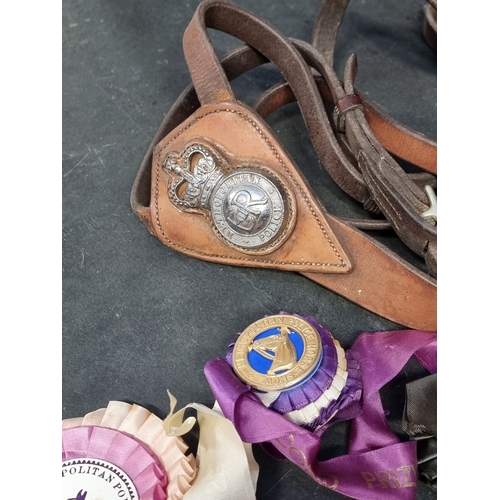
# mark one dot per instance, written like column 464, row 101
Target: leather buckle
column 345, row 104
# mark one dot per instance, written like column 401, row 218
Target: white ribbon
column 227, row 469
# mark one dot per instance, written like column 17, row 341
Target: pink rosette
column 129, row 442
column 131, row 467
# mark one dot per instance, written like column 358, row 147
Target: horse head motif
column 278, row 348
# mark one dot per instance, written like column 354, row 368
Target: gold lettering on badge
column 287, row 368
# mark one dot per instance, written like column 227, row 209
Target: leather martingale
column 217, row 185
column 225, row 190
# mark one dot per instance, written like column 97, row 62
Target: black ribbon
column 191, row 438
column 420, row 423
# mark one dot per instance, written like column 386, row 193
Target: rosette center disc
column 277, row 353
column 93, row 479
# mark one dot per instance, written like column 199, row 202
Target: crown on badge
column 199, row 181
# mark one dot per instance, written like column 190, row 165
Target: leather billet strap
column 388, row 186
column 212, row 85
column 403, row 202
column 310, row 241
column 400, row 140
column 403, row 198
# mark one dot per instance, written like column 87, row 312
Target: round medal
column 247, row 209
column 277, row 353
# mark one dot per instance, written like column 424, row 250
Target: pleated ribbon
column 377, row 466
column 226, row 468
column 138, row 462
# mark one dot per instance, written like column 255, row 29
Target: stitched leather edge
column 290, row 203
column 278, row 157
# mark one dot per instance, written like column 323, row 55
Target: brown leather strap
column 376, row 278
column 403, row 142
column 326, row 27
column 399, row 198
column 402, row 201
column 400, row 140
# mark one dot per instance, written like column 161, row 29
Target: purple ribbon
column 378, row 465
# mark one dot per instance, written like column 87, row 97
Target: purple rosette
column 334, row 385
column 374, row 450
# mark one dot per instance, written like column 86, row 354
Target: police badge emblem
column 248, row 206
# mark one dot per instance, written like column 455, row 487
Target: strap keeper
column 345, row 104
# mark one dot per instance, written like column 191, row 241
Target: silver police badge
column 249, row 206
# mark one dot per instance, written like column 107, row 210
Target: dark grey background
column 139, row 318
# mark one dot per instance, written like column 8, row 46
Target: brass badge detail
column 249, row 207
column 277, row 353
